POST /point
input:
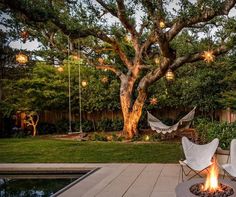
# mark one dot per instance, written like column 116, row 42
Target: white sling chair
column 198, row 157
column 230, row 168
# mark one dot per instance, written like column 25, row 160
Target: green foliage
column 225, row 132
column 47, row 89
column 62, row 126
column 101, row 136
column 201, row 85
column 44, row 128
column 109, row 125
column 228, row 96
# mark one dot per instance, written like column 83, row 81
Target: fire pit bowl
column 183, row 189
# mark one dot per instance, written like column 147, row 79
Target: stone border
column 182, row 189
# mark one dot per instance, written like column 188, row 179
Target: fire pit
column 224, row 190
column 183, row 189
column 211, row 187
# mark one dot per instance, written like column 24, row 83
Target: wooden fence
column 53, row 117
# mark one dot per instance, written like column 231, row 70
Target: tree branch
column 123, row 16
column 113, row 69
column 204, row 16
column 108, row 8
column 196, row 57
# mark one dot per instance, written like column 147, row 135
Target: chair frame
column 184, row 173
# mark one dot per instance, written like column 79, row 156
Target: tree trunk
column 131, row 112
column 130, row 128
column 34, row 130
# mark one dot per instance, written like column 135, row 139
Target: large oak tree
column 133, row 38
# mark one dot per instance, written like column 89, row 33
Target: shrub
column 62, row 126
column 104, row 125
column 143, row 123
column 117, row 125
column 101, row 136
column 117, row 137
column 46, row 128
column 87, row 126
column 20, row 133
column 109, row 125
column 225, row 132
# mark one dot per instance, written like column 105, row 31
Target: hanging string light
column 153, row 101
column 208, row 56
column 169, row 75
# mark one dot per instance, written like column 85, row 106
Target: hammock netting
column 160, row 127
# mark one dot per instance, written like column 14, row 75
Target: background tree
column 130, row 35
column 46, row 88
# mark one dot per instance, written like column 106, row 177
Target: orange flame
column 211, row 183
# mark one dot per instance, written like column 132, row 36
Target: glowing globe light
column 60, row 69
column 170, row 75
column 21, row 58
column 162, row 24
column 147, row 138
column 84, row 83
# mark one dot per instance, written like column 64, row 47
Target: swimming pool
column 39, row 183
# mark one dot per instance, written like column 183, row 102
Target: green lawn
column 34, row 150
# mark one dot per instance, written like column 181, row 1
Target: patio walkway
column 118, row 180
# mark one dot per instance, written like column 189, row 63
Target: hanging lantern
column 162, row 24
column 21, row 58
column 153, row 101
column 60, row 69
column 208, row 56
column 101, row 60
column 84, row 83
column 104, row 79
column 170, row 75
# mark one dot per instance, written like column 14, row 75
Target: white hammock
column 160, row 127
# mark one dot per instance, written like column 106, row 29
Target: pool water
column 41, row 184
column 32, row 187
